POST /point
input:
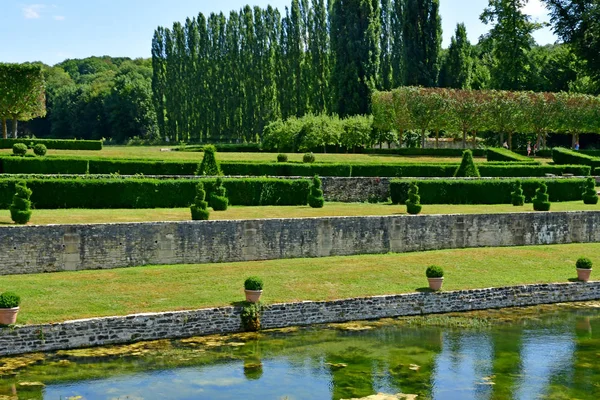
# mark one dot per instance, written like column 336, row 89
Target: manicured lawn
column 70, row 295
column 82, row 216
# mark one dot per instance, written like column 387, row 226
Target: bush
column 218, row 199
column 315, row 197
column 46, row 165
column 431, row 152
column 253, row 283
column 434, row 272
column 20, row 209
column 566, row 156
column 40, row 150
column 590, row 195
column 518, row 199
column 19, row 149
column 308, row 158
column 541, row 200
column 584, row 263
column 501, row 154
column 413, row 204
column 210, row 165
column 55, row 144
column 250, row 316
column 200, row 207
column 467, row 167
column 282, row 157
column 9, row 300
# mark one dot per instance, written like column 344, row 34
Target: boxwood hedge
column 566, row 156
column 54, row 144
column 501, row 154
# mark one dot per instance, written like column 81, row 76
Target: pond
column 545, row 352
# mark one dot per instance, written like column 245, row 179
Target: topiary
column 19, row 149
column 541, row 200
column 218, row 198
column 9, row 300
column 20, row 209
column 282, row 158
column 584, row 263
column 518, row 199
column 209, row 165
column 308, row 158
column 434, row 272
column 467, row 167
column 253, row 283
column 315, row 196
column 200, row 207
column 590, row 196
column 40, row 150
column 413, row 204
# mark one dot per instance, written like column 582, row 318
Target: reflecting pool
column 546, row 352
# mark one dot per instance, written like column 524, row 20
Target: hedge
column 501, row 154
column 143, row 167
column 223, row 148
column 43, row 165
column 54, row 144
column 566, row 156
column 152, row 193
column 486, row 191
column 417, row 151
column 540, row 153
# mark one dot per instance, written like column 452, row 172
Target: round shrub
column 308, row 158
column 282, row 157
column 434, row 272
column 584, row 263
column 19, row 149
column 9, row 300
column 40, row 150
column 253, row 283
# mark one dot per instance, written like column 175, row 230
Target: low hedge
column 566, row 156
column 223, row 148
column 143, row 167
column 410, row 151
column 54, row 144
column 501, row 154
column 485, row 191
column 43, row 165
column 152, row 193
column 540, row 153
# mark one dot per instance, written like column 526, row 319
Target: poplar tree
column 385, row 63
column 397, row 57
column 459, row 64
column 319, row 57
column 159, row 79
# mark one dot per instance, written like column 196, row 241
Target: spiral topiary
column 20, row 209
column 218, row 198
column 541, row 200
column 518, row 199
column 209, row 166
column 590, row 196
column 467, row 167
column 413, row 204
column 315, row 196
column 200, row 207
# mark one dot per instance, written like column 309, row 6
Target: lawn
column 71, row 295
column 84, row 216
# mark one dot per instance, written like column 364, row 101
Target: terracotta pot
column 435, row 283
column 8, row 316
column 253, row 296
column 583, row 274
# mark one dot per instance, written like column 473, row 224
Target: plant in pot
column 584, row 269
column 435, row 276
column 9, row 308
column 253, row 287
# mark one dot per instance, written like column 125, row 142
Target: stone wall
column 119, row 330
column 51, row 248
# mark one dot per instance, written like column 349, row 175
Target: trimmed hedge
column 152, row 193
column 501, row 154
column 223, row 148
column 417, row 151
column 43, row 165
column 54, row 144
column 566, row 156
column 488, row 191
column 540, row 153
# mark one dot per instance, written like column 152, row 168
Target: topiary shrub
column 218, row 197
column 517, row 197
column 20, row 209
column 541, row 200
column 590, row 196
column 19, row 149
column 253, row 283
column 308, row 158
column 9, row 300
column 209, row 165
column 467, row 167
column 40, row 150
column 200, row 207
column 413, row 204
column 584, row 263
column 315, row 196
column 282, row 157
column 434, row 271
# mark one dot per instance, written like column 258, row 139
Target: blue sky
column 58, row 29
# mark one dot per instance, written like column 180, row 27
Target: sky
column 54, row 30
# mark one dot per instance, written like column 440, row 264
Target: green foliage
column 541, row 200
column 413, row 204
column 566, row 156
column 209, row 166
column 590, row 195
column 218, row 198
column 518, row 199
column 583, row 263
column 315, row 197
column 40, row 150
column 19, row 149
column 20, row 209
column 422, row 39
column 467, row 167
column 253, row 283
column 250, row 316
column 9, row 300
column 199, row 207
column 500, row 154
column 430, row 152
column 458, row 68
column 55, row 144
column 282, row 158
column 434, row 271
column 308, row 158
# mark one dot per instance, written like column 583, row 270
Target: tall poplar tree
column 458, row 67
column 159, row 79
column 319, row 57
column 385, row 63
column 398, row 55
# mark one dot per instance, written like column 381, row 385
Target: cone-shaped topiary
column 315, row 197
column 413, row 204
column 541, row 200
column 467, row 167
column 209, row 166
column 518, row 199
column 200, row 207
column 20, row 209
column 590, row 196
column 218, row 198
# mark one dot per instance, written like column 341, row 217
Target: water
column 550, row 352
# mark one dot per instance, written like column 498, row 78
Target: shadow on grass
column 575, row 280
column 424, row 290
column 6, row 223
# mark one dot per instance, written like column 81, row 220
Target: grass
column 86, row 216
column 70, row 295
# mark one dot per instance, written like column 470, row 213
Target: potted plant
column 253, row 287
column 9, row 307
column 584, row 269
column 435, row 275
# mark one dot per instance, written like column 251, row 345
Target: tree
column 386, row 46
column 397, row 57
column 22, row 94
column 320, row 57
column 459, row 64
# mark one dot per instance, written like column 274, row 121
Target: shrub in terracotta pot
column 435, row 276
column 9, row 308
column 253, row 287
column 584, row 269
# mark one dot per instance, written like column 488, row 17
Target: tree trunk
column 510, row 140
column 401, row 138
column 502, row 139
column 544, row 139
column 573, row 140
column 539, row 140
column 15, row 124
column 4, row 129
column 423, row 139
column 437, row 138
column 464, row 139
column 474, row 139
